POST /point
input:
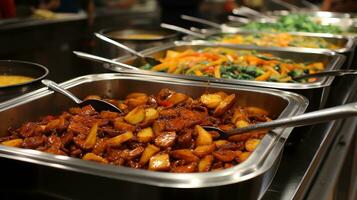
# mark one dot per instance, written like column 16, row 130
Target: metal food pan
column 249, row 178
column 316, row 92
column 345, row 21
column 347, row 43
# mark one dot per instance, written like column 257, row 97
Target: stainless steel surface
column 103, row 60
column 306, row 155
column 116, row 86
column 346, row 43
column 121, row 35
column 150, row 60
column 182, row 30
column 22, row 68
column 341, row 72
column 330, row 59
column 310, row 118
column 98, row 105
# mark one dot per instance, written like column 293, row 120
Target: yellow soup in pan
column 6, row 80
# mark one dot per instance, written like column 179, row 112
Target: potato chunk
column 256, row 111
column 160, row 162
column 145, row 135
column 177, row 98
column 93, row 157
column 136, row 99
column 224, row 105
column 13, row 143
column 149, row 151
column 135, row 116
column 203, row 138
column 251, row 144
column 118, row 140
column 211, row 100
column 205, row 163
column 91, row 137
column 241, row 123
column 150, row 115
column 242, row 156
column 204, row 150
column 184, row 154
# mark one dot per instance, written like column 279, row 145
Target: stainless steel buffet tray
column 43, row 101
column 332, row 60
column 347, row 43
column 345, row 21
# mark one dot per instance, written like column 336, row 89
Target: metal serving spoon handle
column 183, row 30
column 98, row 105
column 201, row 21
column 150, row 60
column 315, row 117
column 103, row 60
column 340, row 72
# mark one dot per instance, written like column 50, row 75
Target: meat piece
column 133, row 164
column 168, row 113
column 33, row 142
column 67, row 138
column 54, row 141
column 192, row 167
column 108, row 131
column 31, row 129
column 165, row 139
column 87, row 110
column 185, row 140
column 55, row 151
column 136, row 152
column 224, row 155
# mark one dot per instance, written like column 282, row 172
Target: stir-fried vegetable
column 293, row 23
column 278, row 39
column 229, row 63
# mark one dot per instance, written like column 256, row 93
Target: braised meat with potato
column 160, row 132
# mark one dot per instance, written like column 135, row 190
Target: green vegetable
column 293, row 23
column 147, row 66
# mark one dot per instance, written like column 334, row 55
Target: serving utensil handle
column 102, row 37
column 315, row 117
column 103, row 60
column 54, row 86
column 182, row 30
column 339, row 72
column 201, row 21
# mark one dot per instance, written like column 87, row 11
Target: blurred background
column 47, row 31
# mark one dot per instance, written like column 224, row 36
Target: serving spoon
column 147, row 59
column 98, row 105
column 324, row 115
column 340, row 72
